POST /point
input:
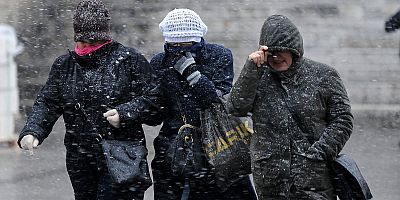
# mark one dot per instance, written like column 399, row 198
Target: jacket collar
column 92, row 58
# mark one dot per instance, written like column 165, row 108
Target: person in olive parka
column 301, row 114
column 112, row 84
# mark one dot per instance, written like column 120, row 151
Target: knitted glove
column 187, row 67
column 184, row 62
column 193, row 77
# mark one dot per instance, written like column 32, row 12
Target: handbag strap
column 182, row 114
column 188, row 138
column 78, row 105
column 294, row 116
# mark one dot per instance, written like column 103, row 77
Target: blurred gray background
column 346, row 34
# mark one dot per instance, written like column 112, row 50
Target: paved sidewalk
column 43, row 176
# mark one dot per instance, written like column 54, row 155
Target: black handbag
column 185, row 152
column 348, row 181
column 126, row 160
column 226, row 140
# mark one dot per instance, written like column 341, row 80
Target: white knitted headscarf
column 182, row 25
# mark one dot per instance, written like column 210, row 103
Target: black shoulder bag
column 348, row 181
column 185, row 153
column 126, row 160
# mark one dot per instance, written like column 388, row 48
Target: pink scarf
column 89, row 49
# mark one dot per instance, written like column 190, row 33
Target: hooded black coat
column 302, row 118
column 113, row 77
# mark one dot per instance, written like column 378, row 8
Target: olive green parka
column 302, row 118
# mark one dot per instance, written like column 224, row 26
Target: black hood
column 279, row 33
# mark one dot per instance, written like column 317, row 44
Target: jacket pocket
column 311, row 175
column 265, row 170
column 300, row 147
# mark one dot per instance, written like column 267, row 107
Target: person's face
column 180, row 44
column 280, row 61
column 179, row 48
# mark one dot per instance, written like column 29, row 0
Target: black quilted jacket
column 114, row 76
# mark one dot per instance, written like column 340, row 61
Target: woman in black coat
column 193, row 74
column 112, row 84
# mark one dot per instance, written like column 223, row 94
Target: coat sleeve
column 160, row 114
column 339, row 120
column 209, row 90
column 145, row 90
column 393, row 22
column 47, row 107
column 241, row 99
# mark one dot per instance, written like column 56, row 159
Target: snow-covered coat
column 291, row 152
column 113, row 77
column 215, row 63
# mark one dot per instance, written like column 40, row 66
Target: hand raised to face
column 260, row 56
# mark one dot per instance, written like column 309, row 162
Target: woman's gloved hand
column 113, row 118
column 184, row 62
column 29, row 142
column 187, row 67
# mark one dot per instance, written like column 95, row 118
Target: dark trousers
column 200, row 185
column 91, row 182
column 171, row 188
